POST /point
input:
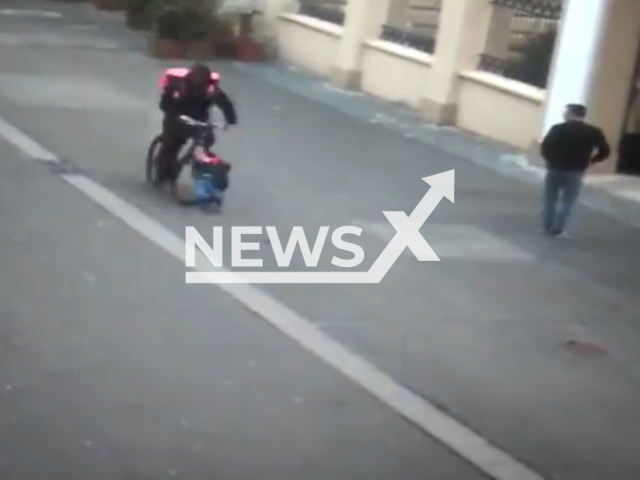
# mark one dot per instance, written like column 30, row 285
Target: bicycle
column 208, row 170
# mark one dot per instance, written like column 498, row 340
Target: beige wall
column 309, row 43
column 267, row 19
column 395, row 73
column 363, row 21
column 614, row 72
column 487, row 105
column 462, row 35
column 500, row 109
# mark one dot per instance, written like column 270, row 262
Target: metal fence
column 327, row 10
column 531, row 38
column 408, row 38
column 415, row 26
column 533, row 30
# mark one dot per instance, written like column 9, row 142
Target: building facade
column 503, row 69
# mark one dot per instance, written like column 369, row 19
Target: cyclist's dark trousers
column 174, row 135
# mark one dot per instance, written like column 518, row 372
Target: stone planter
column 199, row 49
column 166, row 48
column 224, row 49
column 248, row 50
column 113, row 5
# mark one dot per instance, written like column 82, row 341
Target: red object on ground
column 586, row 349
column 211, row 158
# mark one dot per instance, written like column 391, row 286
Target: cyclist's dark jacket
column 177, row 100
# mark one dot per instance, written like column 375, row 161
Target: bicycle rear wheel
column 152, row 170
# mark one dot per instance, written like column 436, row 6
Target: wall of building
column 500, row 109
column 308, row 43
column 614, row 72
column 395, row 73
column 486, row 104
column 401, row 75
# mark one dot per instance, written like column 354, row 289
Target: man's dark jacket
column 572, row 146
column 177, row 100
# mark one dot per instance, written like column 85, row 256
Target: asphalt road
column 113, row 368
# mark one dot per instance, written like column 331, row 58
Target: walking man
column 568, row 150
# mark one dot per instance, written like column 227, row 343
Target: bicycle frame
column 198, row 140
column 209, row 171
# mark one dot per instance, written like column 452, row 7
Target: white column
column 363, row 21
column 462, row 35
column 575, row 56
column 398, row 13
column 271, row 9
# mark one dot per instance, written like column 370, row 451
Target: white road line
column 24, row 143
column 10, row 12
column 469, row 445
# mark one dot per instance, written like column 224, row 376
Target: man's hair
column 200, row 68
column 577, row 110
column 199, row 72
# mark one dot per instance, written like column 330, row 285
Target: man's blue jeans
column 561, row 192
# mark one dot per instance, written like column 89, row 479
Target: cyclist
column 192, row 93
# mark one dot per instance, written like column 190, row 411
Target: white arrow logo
column 407, row 236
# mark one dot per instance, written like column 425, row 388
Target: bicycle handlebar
column 196, row 123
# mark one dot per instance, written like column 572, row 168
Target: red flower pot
column 199, row 50
column 166, row 49
column 248, row 50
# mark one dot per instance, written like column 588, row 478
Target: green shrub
column 196, row 24
column 139, row 6
column 170, row 23
column 189, row 20
column 220, row 28
column 141, row 13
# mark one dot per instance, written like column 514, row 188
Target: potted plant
column 197, row 40
column 167, row 38
column 222, row 36
column 139, row 14
column 247, row 49
column 109, row 4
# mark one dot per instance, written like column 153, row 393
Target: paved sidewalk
column 622, row 203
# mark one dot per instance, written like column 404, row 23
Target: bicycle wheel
column 152, row 169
